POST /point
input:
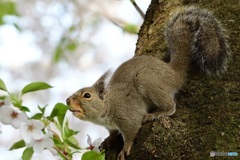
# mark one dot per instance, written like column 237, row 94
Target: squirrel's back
column 195, row 38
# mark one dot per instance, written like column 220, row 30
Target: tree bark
column 208, row 108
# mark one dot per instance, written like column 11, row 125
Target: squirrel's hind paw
column 155, row 116
column 125, row 151
column 149, row 118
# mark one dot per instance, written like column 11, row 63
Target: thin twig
column 137, row 8
column 60, row 151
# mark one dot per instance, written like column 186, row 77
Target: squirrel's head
column 88, row 103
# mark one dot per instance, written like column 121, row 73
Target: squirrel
column 145, row 83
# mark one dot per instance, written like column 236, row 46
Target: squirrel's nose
column 68, row 101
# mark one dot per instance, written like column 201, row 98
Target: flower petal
column 16, row 123
column 6, row 119
column 27, row 138
column 89, row 140
column 23, row 128
column 23, row 117
column 48, row 143
column 38, row 146
column 37, row 134
column 38, row 124
column 97, row 142
column 6, row 112
column 96, row 149
column 26, row 135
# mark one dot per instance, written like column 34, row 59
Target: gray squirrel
column 195, row 39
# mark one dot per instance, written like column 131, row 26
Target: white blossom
column 31, row 130
column 11, row 116
column 43, row 143
column 45, row 155
column 95, row 144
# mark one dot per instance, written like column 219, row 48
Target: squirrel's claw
column 125, row 152
column 121, row 155
column 155, row 116
column 149, row 118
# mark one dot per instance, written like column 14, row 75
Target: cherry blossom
column 0, row 129
column 31, row 130
column 43, row 143
column 95, row 144
column 11, row 116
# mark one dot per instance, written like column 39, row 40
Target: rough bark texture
column 208, row 109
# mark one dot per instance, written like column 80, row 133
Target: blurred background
column 66, row 43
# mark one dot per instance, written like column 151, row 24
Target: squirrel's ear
column 100, row 89
column 100, row 84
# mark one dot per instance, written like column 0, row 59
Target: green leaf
column 35, row 86
column 2, row 85
column 59, row 49
column 2, row 97
column 72, row 46
column 42, row 109
column 37, row 116
column 24, row 108
column 72, row 142
column 71, row 29
column 57, row 141
column 57, row 125
column 27, row 154
column 15, row 100
column 130, row 28
column 67, row 132
column 58, row 54
column 18, row 145
column 7, row 8
column 65, row 44
column 59, row 111
column 90, row 155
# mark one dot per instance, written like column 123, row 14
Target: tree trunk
column 208, row 108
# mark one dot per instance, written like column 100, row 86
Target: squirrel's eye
column 87, row 95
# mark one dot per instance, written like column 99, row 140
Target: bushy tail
column 196, row 38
